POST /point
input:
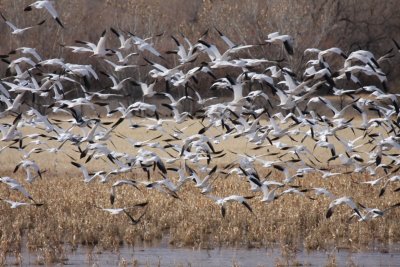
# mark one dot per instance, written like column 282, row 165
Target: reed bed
column 69, row 217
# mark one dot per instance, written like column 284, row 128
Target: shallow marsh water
column 161, row 255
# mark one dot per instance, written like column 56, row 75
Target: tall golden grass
column 69, row 215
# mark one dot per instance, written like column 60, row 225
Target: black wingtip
column 16, row 168
column 219, row 32
column 247, row 206
column 176, row 41
column 104, row 73
column 278, row 167
column 288, row 48
column 40, row 23
column 204, row 43
column 161, row 167
column 1, row 14
column 396, row 43
column 329, row 213
column 59, row 22
column 205, row 33
column 76, row 164
column 148, row 61
column 213, row 170
column 382, row 192
column 167, row 106
column 358, row 212
column 6, row 61
column 115, row 31
column 143, row 204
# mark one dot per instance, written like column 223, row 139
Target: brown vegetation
column 69, row 217
column 349, row 25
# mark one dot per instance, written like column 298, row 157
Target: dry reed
column 69, row 217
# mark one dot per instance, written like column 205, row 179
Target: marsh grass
column 69, row 216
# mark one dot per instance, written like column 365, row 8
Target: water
column 166, row 256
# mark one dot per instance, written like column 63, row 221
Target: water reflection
column 165, row 256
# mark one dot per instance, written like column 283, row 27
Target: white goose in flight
column 29, row 165
column 15, row 185
column 340, row 201
column 286, row 40
column 118, row 68
column 117, row 85
column 142, row 45
column 232, row 198
column 98, row 49
column 126, row 43
column 185, row 56
column 17, row 204
column 116, row 211
column 15, row 29
column 87, row 178
column 48, row 5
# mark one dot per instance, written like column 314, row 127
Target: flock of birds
column 266, row 105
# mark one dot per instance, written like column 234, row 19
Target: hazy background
column 348, row 24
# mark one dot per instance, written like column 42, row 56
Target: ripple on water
column 165, row 256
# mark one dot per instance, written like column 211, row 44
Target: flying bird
column 19, row 31
column 48, row 5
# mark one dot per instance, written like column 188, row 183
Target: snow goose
column 342, row 201
column 286, row 40
column 48, row 5
column 232, row 198
column 98, row 49
column 15, row 29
